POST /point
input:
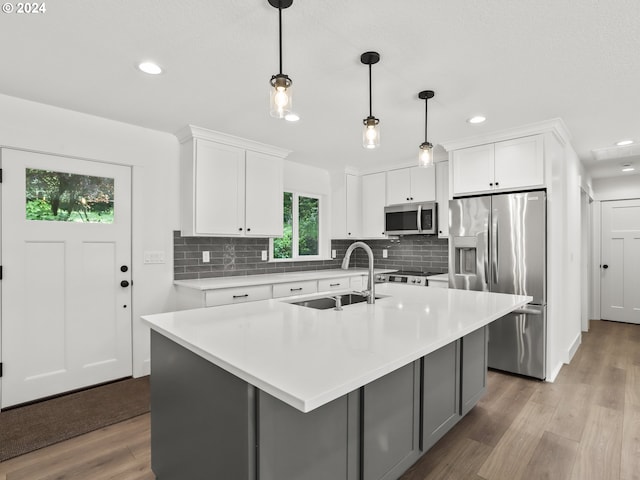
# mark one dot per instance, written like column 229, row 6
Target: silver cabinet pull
column 241, row 296
column 295, row 289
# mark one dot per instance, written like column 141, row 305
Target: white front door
column 620, row 268
column 66, row 258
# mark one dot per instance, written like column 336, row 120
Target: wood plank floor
column 584, row 426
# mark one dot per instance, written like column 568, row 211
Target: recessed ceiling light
column 292, row 117
column 622, row 143
column 627, row 168
column 476, row 119
column 150, row 68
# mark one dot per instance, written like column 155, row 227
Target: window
column 68, row 197
column 301, row 229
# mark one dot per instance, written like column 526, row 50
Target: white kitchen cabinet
column 507, row 165
column 229, row 186
column 294, row 288
column 442, row 197
column 227, row 296
column 329, row 284
column 373, row 203
column 346, row 198
column 263, row 195
column 409, row 185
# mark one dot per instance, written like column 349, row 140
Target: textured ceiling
column 515, row 62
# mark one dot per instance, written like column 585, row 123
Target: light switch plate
column 206, row 256
column 151, row 257
column 264, row 255
column 333, row 254
column 385, row 253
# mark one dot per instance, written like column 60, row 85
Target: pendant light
column 281, row 98
column 425, row 157
column 371, row 131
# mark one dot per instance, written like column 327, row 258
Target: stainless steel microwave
column 411, row 219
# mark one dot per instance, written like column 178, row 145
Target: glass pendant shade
column 281, row 96
column 371, row 132
column 425, row 157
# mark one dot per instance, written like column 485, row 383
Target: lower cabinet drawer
column 333, row 284
column 225, row 296
column 294, row 288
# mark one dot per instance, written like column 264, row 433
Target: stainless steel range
column 405, row 277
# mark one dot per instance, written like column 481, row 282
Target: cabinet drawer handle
column 295, row 289
column 334, row 284
column 241, row 296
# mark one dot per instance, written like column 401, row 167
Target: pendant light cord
column 370, row 108
column 280, row 34
column 426, row 116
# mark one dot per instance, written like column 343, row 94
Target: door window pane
column 68, row 197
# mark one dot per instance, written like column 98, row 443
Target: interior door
column 66, row 295
column 620, row 259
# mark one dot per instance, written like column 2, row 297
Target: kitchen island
column 274, row 390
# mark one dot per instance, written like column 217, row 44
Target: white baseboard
column 574, row 347
column 551, row 377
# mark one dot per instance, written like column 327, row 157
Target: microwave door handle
column 419, row 218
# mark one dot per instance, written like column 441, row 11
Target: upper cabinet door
column 219, row 189
column 398, row 186
column 373, row 202
column 423, row 183
column 264, row 195
column 408, row 185
column 519, row 163
column 472, row 169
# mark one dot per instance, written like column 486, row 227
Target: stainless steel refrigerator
column 497, row 243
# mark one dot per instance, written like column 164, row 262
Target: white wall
column 563, row 173
column 153, row 157
column 617, row 188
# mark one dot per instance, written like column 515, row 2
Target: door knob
column 605, row 266
column 124, row 283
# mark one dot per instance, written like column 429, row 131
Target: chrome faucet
column 371, row 292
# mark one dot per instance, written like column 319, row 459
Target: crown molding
column 191, row 131
column 556, row 126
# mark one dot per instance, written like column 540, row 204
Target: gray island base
column 209, row 424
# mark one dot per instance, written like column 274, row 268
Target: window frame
column 295, row 245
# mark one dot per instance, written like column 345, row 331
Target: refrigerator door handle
column 419, row 218
column 527, row 311
column 494, row 249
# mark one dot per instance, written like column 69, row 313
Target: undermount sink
column 325, row 303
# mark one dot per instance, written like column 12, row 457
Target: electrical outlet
column 385, row 253
column 264, row 255
column 333, row 254
column 206, row 258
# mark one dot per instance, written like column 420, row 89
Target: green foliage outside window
column 304, row 229
column 67, row 197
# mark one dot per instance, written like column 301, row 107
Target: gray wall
column 241, row 256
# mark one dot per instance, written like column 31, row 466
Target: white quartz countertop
column 270, row 278
column 307, row 357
